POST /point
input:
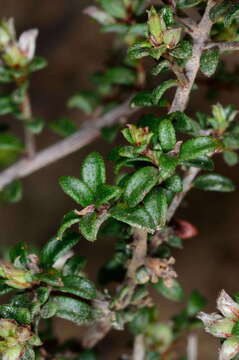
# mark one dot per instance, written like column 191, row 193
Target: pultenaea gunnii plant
column 158, row 164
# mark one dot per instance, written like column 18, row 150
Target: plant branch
column 223, row 45
column 88, row 133
column 192, row 347
column 139, row 348
column 29, row 137
column 200, row 37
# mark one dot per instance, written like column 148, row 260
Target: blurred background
column 74, row 48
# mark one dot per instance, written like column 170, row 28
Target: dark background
column 75, row 48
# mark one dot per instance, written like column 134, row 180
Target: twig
column 29, row 137
column 192, row 347
column 139, row 348
column 100, row 328
column 88, row 132
column 200, row 37
column 179, row 104
column 223, row 45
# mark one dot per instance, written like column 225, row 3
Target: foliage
column 158, row 162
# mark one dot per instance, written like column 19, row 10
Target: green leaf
column 160, row 90
column 175, row 242
column 36, row 125
column 109, row 133
column 174, row 183
column 202, row 162
column 143, row 98
column 214, row 182
column 164, row 64
column 137, row 217
column 43, row 294
column 74, row 265
column 10, row 143
column 19, row 253
column 209, row 61
column 139, row 50
column 90, row 225
column 97, row 14
column 69, row 219
column 38, row 63
column 114, row 8
column 218, row 10
column 87, row 101
column 77, row 190
column 197, row 147
column 167, row 15
column 183, row 50
column 63, row 126
column 167, row 165
column 20, row 314
column 5, row 75
column 167, row 135
column 140, row 183
column 231, row 13
column 106, row 193
column 174, row 292
column 78, row 286
column 230, row 157
column 156, row 205
column 54, row 248
column 196, row 303
column 6, row 105
column 140, row 321
column 93, row 171
column 72, row 309
column 12, row 193
column 120, row 76
column 87, row 355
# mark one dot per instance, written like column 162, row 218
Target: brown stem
column 139, row 348
column 88, row 133
column 223, row 45
column 29, row 137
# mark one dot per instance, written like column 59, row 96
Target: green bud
column 160, row 335
column 142, row 275
column 137, row 136
column 216, row 325
column 229, row 349
column 228, row 307
column 172, row 36
column 156, row 26
column 16, row 278
column 12, row 353
column 13, row 56
column 7, row 328
column 7, row 32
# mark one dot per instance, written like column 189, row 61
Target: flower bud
column 229, row 349
column 142, row 275
column 228, row 307
column 13, row 56
column 12, row 353
column 7, row 328
column 7, row 32
column 27, row 43
column 216, row 325
column 156, row 26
